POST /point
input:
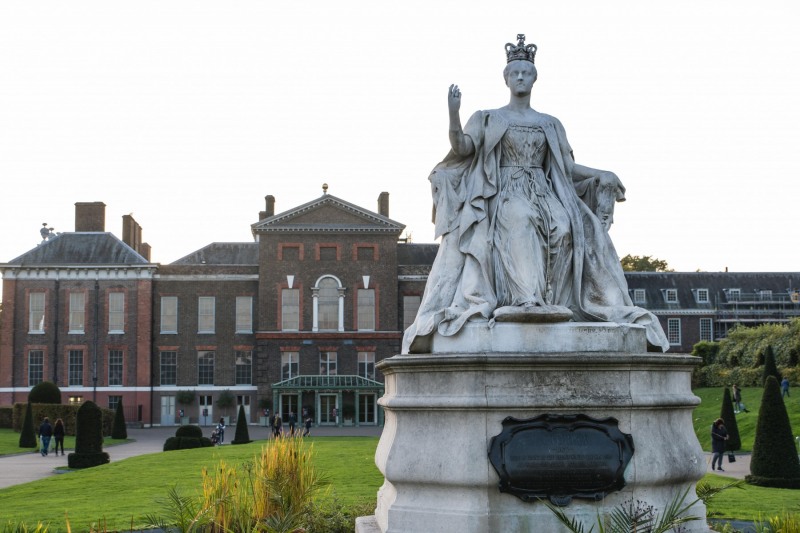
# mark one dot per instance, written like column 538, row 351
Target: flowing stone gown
column 515, row 232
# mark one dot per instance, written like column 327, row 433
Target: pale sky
column 187, row 113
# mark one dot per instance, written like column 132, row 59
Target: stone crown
column 520, row 51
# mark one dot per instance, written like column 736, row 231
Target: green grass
column 749, row 502
column 128, row 489
column 711, row 404
column 121, row 493
column 9, row 443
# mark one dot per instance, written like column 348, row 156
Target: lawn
column 119, row 494
column 9, row 442
column 122, row 492
column 711, row 404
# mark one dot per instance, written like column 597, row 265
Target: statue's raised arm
column 523, row 227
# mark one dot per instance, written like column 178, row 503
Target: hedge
column 65, row 412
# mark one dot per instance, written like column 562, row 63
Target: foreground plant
column 630, row 517
column 271, row 494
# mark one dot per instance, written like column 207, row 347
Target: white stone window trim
column 315, row 302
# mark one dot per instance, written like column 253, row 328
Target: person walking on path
column 45, row 433
column 719, row 436
column 276, row 425
column 292, row 422
column 307, row 423
column 221, row 431
column 737, row 400
column 58, row 435
column 785, row 388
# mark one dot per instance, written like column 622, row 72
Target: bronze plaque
column 560, row 457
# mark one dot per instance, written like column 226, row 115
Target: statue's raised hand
column 454, row 99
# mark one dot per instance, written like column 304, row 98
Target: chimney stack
column 270, row 211
column 383, row 204
column 90, row 216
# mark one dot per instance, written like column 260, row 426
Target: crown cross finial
column 520, row 51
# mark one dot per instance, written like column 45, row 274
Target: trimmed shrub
column 119, row 431
column 770, row 367
column 6, row 416
column 88, row 438
column 27, row 437
column 45, row 392
column 187, row 437
column 726, row 413
column 185, row 397
column 190, row 431
column 185, row 443
column 242, row 434
column 774, row 462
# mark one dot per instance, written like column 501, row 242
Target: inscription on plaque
column 560, row 457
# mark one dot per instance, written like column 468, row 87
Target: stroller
column 215, row 437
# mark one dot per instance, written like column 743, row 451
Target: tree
column 644, row 263
column 225, row 400
column 774, row 462
column 770, row 367
column 88, row 438
column 119, row 431
column 27, row 437
column 726, row 413
column 242, row 434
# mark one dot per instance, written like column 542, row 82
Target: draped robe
column 462, row 282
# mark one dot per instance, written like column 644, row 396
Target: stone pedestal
column 442, row 410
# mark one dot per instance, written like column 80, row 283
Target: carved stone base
column 443, row 410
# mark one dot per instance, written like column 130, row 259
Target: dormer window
column 671, row 296
column 702, row 296
column 639, row 296
column 734, row 295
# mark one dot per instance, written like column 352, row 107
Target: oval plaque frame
column 560, row 457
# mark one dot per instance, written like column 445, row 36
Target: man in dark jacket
column 45, row 432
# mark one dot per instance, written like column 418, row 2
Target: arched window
column 328, row 295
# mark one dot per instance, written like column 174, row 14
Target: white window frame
column 75, row 368
column 734, row 295
column 243, row 358
column 706, row 329
column 315, row 290
column 366, row 319
column 290, row 365
column 290, row 309
column 171, row 366
column 703, row 296
column 209, row 355
column 674, row 331
column 765, row 295
column 671, row 296
column 36, row 312
column 77, row 312
column 328, row 363
column 121, row 363
column 366, row 365
column 169, row 315
column 639, row 296
column 244, row 314
column 35, row 367
column 206, row 314
column 116, row 312
column 411, row 305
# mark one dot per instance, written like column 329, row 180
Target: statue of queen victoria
column 524, row 227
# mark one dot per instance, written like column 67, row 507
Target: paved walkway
column 30, row 466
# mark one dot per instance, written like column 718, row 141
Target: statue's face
column 520, row 77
